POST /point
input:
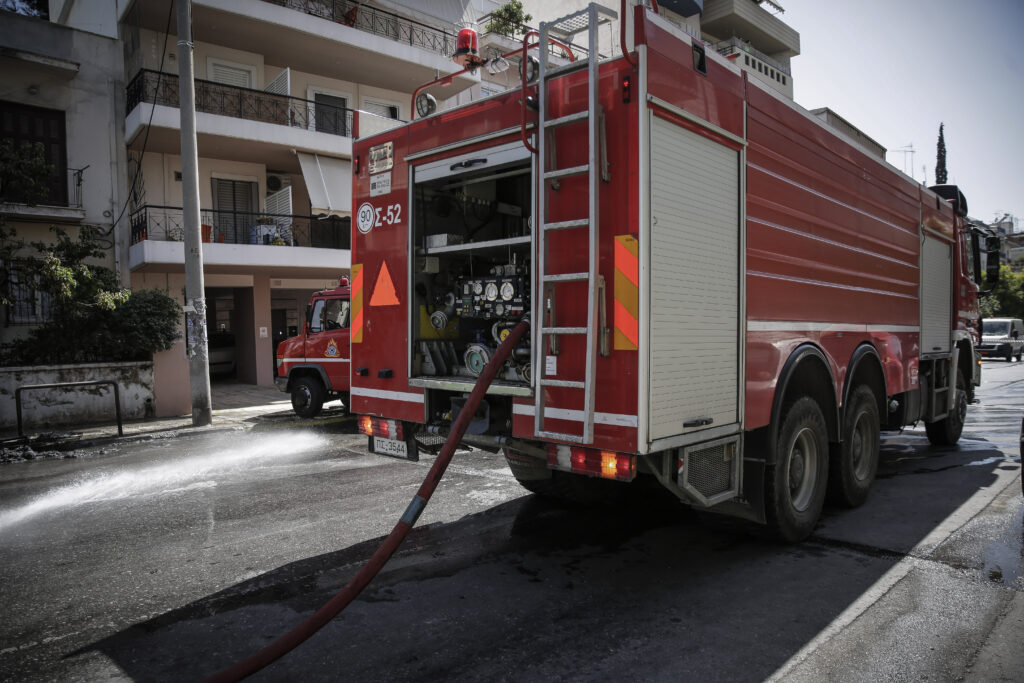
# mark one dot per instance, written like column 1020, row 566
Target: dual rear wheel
column 805, row 471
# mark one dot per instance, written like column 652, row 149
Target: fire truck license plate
column 390, row 447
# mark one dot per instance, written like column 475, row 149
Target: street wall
column 43, row 409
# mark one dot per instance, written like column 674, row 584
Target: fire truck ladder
column 587, row 20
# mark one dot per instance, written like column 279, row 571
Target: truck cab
column 314, row 366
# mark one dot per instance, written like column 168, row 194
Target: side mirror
column 976, row 256
column 992, row 245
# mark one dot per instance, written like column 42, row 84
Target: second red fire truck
column 726, row 295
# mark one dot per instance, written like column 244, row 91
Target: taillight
column 604, row 464
column 378, row 426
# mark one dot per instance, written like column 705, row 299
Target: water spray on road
column 184, row 470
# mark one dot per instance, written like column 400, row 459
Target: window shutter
column 230, row 75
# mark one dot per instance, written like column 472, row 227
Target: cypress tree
column 940, row 158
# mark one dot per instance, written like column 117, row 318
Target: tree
column 93, row 318
column 940, row 158
column 509, row 19
column 1006, row 299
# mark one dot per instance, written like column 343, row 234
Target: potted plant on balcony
column 509, row 19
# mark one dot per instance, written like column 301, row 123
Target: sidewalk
column 235, row 406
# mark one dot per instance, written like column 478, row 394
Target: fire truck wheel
column 307, row 397
column 853, row 468
column 795, row 485
column 946, row 432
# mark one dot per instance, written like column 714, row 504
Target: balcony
column 746, row 19
column 62, row 200
column 166, row 223
column 274, row 124
column 255, row 105
column 277, row 245
column 321, row 37
column 735, row 46
column 378, row 22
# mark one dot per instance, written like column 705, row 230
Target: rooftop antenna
column 908, row 149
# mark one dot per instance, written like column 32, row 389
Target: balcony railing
column 377, row 21
column 736, row 46
column 155, row 87
column 63, row 192
column 166, row 223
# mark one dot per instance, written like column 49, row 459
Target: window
column 230, row 73
column 27, row 125
column 30, row 306
column 330, row 114
column 234, row 205
column 746, row 60
column 783, row 80
column 381, row 108
column 329, row 314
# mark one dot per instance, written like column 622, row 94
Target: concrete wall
column 46, row 408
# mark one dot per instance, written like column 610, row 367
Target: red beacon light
column 343, row 281
column 466, row 53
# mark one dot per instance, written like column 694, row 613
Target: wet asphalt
column 169, row 558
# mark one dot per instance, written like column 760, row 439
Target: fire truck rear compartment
column 471, row 244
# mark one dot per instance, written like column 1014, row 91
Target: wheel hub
column 803, row 469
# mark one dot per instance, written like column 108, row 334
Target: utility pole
column 195, row 298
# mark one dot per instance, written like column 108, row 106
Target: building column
column 263, row 337
column 254, row 348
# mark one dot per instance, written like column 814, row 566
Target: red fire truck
column 726, row 295
column 314, row 366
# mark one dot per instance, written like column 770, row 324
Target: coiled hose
column 331, row 609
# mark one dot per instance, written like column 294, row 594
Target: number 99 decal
column 369, row 217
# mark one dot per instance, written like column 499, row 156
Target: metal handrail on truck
column 99, row 382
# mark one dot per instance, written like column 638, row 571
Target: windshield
column 996, row 328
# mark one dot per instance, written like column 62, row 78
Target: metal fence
column 155, row 87
column 166, row 223
column 377, row 21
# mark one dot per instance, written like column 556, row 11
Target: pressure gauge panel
column 493, row 297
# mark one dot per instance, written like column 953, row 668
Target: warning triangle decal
column 384, row 291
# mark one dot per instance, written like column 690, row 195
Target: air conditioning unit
column 277, row 181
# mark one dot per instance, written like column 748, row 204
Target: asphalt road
column 169, row 559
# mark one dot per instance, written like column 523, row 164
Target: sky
column 897, row 68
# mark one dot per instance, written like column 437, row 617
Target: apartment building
column 60, row 87
column 282, row 87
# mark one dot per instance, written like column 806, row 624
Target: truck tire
column 946, row 432
column 307, row 397
column 852, row 469
column 795, row 485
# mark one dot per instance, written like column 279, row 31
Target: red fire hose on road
column 335, row 605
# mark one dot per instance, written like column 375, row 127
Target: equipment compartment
column 471, row 238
